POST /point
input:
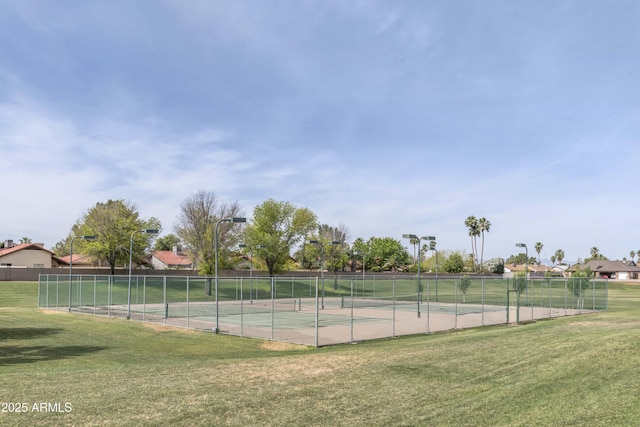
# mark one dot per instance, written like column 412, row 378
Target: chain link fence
column 324, row 310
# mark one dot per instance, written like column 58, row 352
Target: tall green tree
column 474, row 231
column 453, row 264
column 336, row 255
column 362, row 250
column 632, row 254
column 113, row 223
column 199, row 214
column 413, row 241
column 538, row 247
column 382, row 253
column 278, row 226
column 559, row 255
column 166, row 243
column 484, row 226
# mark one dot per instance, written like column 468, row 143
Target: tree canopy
column 199, row 214
column 114, row 223
column 278, row 226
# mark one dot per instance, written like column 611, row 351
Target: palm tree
column 632, row 254
column 414, row 242
column 538, row 247
column 595, row 253
column 553, row 259
column 559, row 256
column 483, row 225
column 472, row 224
column 25, row 240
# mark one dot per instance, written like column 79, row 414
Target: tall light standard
column 415, row 237
column 321, row 246
column 363, row 263
column 251, row 248
column 71, row 260
column 432, row 246
column 231, row 220
column 143, row 231
column 526, row 272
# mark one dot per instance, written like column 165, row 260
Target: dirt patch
column 282, row 346
column 49, row 311
column 164, row 328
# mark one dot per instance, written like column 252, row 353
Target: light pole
column 432, row 246
column 71, row 260
column 363, row 265
column 426, row 238
column 251, row 248
column 143, row 231
column 231, row 220
column 321, row 246
column 526, row 273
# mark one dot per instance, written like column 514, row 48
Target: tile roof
column 609, row 266
column 16, row 248
column 171, row 258
column 77, row 259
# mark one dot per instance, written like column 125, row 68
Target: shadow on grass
column 26, row 333
column 14, row 355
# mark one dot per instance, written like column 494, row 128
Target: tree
column 520, row 258
column 453, row 264
column 632, row 254
column 336, row 255
column 166, row 243
column 474, row 231
column 495, row 266
column 387, row 254
column 413, row 241
column 199, row 214
column 382, row 253
column 553, row 259
column 113, row 223
column 579, row 283
column 538, row 247
column 362, row 249
column 463, row 286
column 483, row 226
column 595, row 253
column 25, row 240
column 278, row 226
column 559, row 256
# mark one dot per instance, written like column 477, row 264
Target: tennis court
column 306, row 310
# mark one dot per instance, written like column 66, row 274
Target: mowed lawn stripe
column 568, row 371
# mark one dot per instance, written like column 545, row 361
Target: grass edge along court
column 577, row 370
column 302, row 310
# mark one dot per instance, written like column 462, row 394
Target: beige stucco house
column 31, row 255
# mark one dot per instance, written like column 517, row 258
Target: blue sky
column 385, row 117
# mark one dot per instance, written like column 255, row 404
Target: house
column 79, row 260
column 32, row 255
column 171, row 260
column 534, row 270
column 559, row 270
column 620, row 270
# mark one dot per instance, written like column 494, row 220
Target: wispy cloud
column 385, row 117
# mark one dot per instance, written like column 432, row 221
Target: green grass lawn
column 580, row 370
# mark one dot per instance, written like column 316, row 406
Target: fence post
column 317, row 315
